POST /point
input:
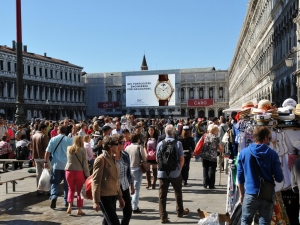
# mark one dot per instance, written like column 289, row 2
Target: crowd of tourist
column 111, row 150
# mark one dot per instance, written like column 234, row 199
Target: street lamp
column 289, row 62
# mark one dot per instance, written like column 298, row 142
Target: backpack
column 168, row 159
column 22, row 153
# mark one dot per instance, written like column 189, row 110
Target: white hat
column 185, row 127
column 283, row 111
column 289, row 102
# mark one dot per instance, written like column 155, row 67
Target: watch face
column 163, row 90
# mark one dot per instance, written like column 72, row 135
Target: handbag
column 266, row 188
column 88, row 184
column 199, row 146
column 151, row 154
column 144, row 166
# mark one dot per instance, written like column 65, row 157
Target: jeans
column 251, row 204
column 163, row 192
column 209, row 173
column 137, row 177
column 127, row 210
column 196, row 139
column 75, row 179
column 56, row 177
column 108, row 208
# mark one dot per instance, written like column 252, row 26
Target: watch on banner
column 163, row 90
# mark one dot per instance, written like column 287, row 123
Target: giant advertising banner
column 150, row 90
column 200, row 102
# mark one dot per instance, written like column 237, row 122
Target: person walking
column 209, row 156
column 57, row 148
column 150, row 148
column 76, row 172
column 105, row 185
column 188, row 146
column 248, row 181
column 39, row 143
column 136, row 154
column 174, row 177
column 125, row 179
column 198, row 130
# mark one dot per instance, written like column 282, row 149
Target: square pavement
column 23, row 207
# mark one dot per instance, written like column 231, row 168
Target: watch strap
column 163, row 102
column 163, row 77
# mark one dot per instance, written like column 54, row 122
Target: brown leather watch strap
column 163, row 77
column 163, row 102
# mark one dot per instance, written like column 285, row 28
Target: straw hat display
column 264, row 106
column 246, row 109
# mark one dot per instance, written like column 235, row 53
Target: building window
column 70, row 76
column 201, row 93
column 1, row 64
column 221, row 92
column 191, row 93
column 46, row 72
column 109, row 96
column 124, row 96
column 61, row 75
column 118, row 96
column 51, row 73
column 66, row 76
column 182, row 93
column 9, row 66
column 15, row 65
column 34, row 70
column 41, row 72
column 74, row 77
column 1, row 89
column 211, row 92
column 23, row 68
column 78, row 77
column 28, row 70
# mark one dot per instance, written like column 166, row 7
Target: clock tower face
column 163, row 90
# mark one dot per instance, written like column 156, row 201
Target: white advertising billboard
column 150, row 90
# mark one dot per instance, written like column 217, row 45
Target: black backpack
column 168, row 159
column 22, row 153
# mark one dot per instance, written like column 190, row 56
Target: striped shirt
column 123, row 175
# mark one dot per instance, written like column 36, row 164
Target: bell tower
column 144, row 64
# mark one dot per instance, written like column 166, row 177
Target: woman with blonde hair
column 76, row 172
column 96, row 126
column 209, row 156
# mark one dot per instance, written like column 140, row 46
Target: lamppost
column 20, row 115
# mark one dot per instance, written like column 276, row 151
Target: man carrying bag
column 258, row 166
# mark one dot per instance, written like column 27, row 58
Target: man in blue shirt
column 57, row 147
column 173, row 177
column 269, row 169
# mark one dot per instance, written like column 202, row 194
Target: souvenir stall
column 284, row 123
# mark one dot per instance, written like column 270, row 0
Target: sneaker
column 185, row 211
column 53, row 203
column 137, row 211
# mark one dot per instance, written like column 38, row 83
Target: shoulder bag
column 144, row 166
column 51, row 156
column 199, row 146
column 266, row 188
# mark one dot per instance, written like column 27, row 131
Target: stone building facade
column 267, row 38
column 200, row 92
column 53, row 88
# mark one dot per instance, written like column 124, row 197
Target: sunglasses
column 121, row 142
column 116, row 144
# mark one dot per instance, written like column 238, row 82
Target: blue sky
column 113, row 35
